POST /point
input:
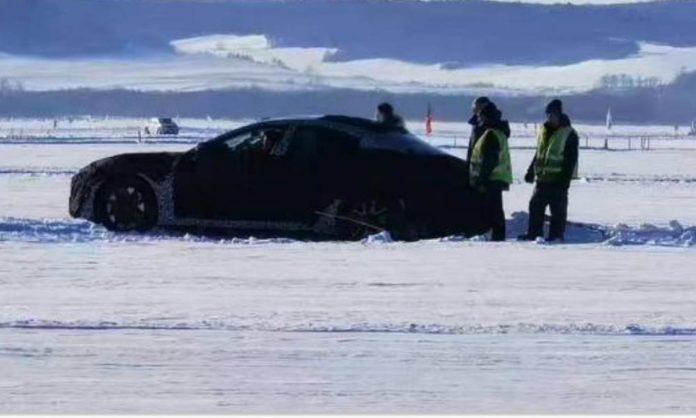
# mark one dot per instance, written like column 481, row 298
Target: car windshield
column 398, row 142
column 243, row 141
column 272, row 140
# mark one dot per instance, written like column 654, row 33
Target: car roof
column 360, row 123
column 374, row 134
column 355, row 122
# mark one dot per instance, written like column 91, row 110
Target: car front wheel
column 126, row 205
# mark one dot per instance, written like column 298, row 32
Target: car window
column 243, row 140
column 236, row 141
column 335, row 143
column 321, row 142
column 303, row 144
column 320, row 145
column 277, row 141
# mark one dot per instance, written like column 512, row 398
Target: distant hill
column 658, row 104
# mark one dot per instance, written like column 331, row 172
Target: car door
column 310, row 165
column 288, row 176
column 241, row 178
column 216, row 180
column 338, row 165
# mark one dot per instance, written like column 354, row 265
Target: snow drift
column 51, row 231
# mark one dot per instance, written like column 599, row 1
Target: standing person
column 389, row 119
column 554, row 165
column 490, row 167
column 476, row 128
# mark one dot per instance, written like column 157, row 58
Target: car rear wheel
column 372, row 216
column 127, row 205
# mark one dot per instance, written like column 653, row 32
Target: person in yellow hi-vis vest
column 554, row 166
column 490, row 168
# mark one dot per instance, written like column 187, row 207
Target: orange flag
column 429, row 121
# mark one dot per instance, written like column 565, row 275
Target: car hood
column 155, row 165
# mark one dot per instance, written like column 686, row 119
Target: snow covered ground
column 92, row 321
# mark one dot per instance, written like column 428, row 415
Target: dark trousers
column 495, row 213
column 556, row 198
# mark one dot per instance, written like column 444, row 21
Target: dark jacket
column 570, row 154
column 491, row 154
column 394, row 122
column 477, row 130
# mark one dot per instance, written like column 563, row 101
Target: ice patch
column 50, row 231
column 55, row 231
column 364, row 327
column 623, row 178
column 478, row 238
column 37, row 172
column 519, row 328
column 80, row 231
column 638, row 329
column 384, row 284
column 576, row 233
column 673, row 236
column 383, row 237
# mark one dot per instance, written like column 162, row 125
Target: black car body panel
column 237, row 180
column 153, row 167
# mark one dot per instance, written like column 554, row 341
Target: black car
column 336, row 177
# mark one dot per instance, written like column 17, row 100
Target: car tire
column 127, row 204
column 366, row 217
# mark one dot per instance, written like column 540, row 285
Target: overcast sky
column 598, row 2
column 577, row 1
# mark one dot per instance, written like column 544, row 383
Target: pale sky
column 578, row 2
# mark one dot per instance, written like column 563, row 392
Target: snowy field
column 92, row 321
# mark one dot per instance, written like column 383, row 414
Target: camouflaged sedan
column 333, row 177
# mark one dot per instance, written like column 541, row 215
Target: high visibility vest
column 503, row 170
column 550, row 155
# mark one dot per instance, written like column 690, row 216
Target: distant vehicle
column 167, row 127
column 334, row 177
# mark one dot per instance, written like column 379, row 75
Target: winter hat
column 554, row 106
column 490, row 111
column 385, row 108
column 481, row 100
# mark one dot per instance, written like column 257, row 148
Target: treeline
column 675, row 103
column 625, row 81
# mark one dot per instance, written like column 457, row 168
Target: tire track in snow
column 363, row 327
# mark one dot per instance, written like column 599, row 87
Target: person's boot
column 497, row 238
column 525, row 237
column 498, row 234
